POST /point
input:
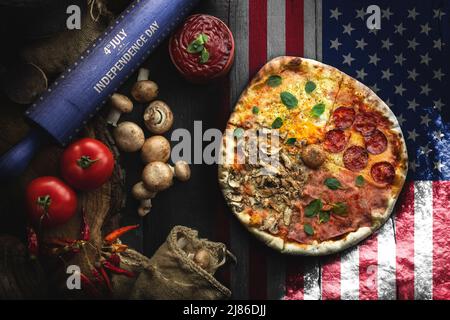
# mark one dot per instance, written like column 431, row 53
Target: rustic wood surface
column 197, row 203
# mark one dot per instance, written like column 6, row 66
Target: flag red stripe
column 294, row 28
column 257, row 57
column 404, row 231
column 294, row 43
column 331, row 278
column 441, row 240
column 368, row 268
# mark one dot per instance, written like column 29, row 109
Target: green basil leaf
column 274, row 81
column 238, row 132
column 291, row 141
column 332, row 183
column 340, row 208
column 310, row 87
column 313, row 208
column 255, row 110
column 308, row 229
column 197, row 45
column 359, row 181
column 324, row 216
column 277, row 123
column 204, row 37
column 288, row 99
column 318, row 109
column 204, row 56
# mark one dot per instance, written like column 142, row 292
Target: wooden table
column 260, row 272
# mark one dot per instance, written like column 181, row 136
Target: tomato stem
column 44, row 202
column 85, row 162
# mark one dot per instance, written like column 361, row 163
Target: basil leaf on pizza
column 324, row 216
column 274, row 81
column 308, row 229
column 332, row 183
column 359, row 181
column 310, row 87
column 313, row 208
column 291, row 141
column 289, row 100
column 277, row 123
column 340, row 208
column 255, row 110
column 238, row 132
column 318, row 110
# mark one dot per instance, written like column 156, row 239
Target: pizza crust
column 379, row 218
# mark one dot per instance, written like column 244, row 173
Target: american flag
column 406, row 63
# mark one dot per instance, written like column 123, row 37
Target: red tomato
column 50, row 201
column 87, row 164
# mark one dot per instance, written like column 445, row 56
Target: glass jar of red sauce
column 202, row 49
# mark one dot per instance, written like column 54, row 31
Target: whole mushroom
column 129, row 136
column 139, row 192
column 158, row 117
column 119, row 104
column 202, row 258
column 156, row 148
column 182, row 170
column 157, row 176
column 144, row 90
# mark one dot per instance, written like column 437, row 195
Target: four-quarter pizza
column 342, row 158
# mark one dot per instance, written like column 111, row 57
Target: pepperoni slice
column 343, row 117
column 383, row 172
column 335, row 140
column 355, row 158
column 376, row 143
column 365, row 123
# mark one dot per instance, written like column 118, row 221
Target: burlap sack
column 173, row 274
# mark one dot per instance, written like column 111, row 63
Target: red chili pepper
column 85, row 230
column 111, row 237
column 33, row 244
column 118, row 270
column 114, row 259
column 89, row 286
column 106, row 279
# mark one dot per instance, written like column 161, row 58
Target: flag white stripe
column 276, row 27
column 350, row 274
column 386, row 262
column 311, row 280
column 423, row 240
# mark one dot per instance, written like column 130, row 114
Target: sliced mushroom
column 139, row 192
column 119, row 104
column 156, row 148
column 158, row 117
column 129, row 136
column 144, row 90
column 157, row 176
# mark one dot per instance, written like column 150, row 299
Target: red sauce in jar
column 220, row 45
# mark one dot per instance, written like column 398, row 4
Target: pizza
column 331, row 159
